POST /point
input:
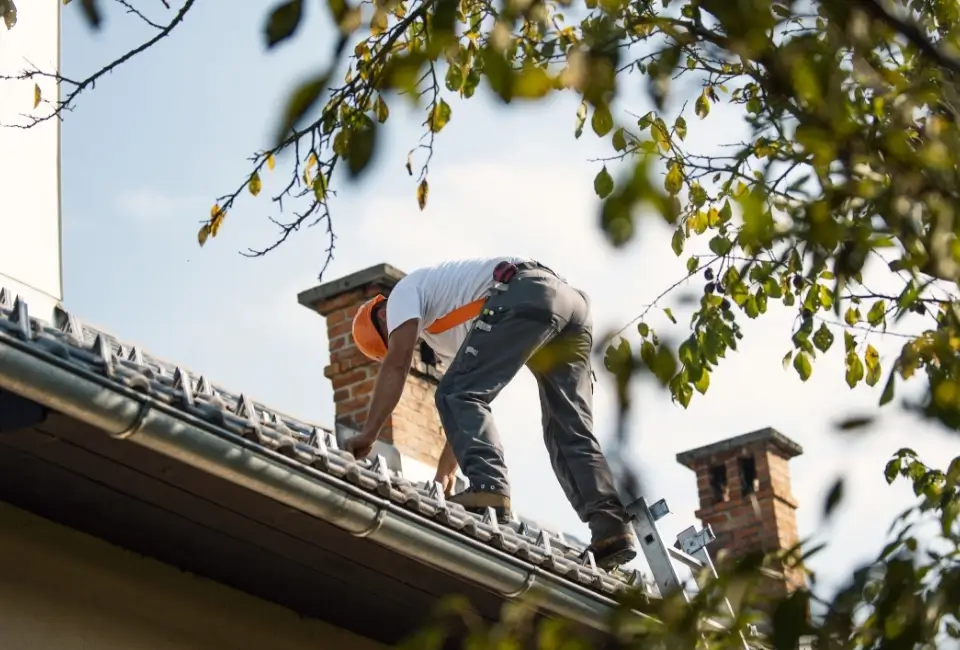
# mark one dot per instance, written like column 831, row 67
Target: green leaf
column 454, row 78
column 320, row 186
column 720, row 245
column 786, row 359
column 680, row 128
column 698, row 195
column 703, row 383
column 381, row 110
column 892, row 470
column 676, row 242
column 674, row 179
column 854, row 369
column 877, row 313
column 299, row 103
column 602, row 120
column 360, row 149
column 834, row 497
column 726, row 212
column 643, row 329
column 888, row 390
column 440, row 116
column 619, row 140
column 823, row 338
column 283, row 22
column 801, row 363
column 702, row 106
column 603, row 183
column 692, row 264
column 581, row 119
column 852, row 317
column 669, row 313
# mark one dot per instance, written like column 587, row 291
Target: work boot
column 614, row 550
column 477, row 502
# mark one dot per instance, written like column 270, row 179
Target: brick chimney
column 414, row 429
column 745, row 496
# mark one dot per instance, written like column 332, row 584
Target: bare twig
column 79, row 86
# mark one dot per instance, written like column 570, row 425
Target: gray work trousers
column 542, row 322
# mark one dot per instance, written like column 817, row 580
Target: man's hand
column 360, row 445
column 448, row 482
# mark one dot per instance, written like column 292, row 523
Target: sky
column 148, row 150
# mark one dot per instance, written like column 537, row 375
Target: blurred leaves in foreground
column 907, row 597
column 850, row 110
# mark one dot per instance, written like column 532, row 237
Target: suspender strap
column 504, row 272
column 456, row 317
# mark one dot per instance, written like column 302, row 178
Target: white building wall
column 64, row 590
column 30, row 159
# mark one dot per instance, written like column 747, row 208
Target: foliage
column 908, row 597
column 847, row 159
column 850, row 109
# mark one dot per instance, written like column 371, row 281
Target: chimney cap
column 787, row 447
column 383, row 275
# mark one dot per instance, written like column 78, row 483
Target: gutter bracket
column 136, row 425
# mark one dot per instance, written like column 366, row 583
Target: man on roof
column 486, row 319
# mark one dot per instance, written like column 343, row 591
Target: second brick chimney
column 414, row 428
column 745, row 496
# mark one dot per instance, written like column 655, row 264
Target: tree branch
column 90, row 82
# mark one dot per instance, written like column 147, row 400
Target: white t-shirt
column 432, row 292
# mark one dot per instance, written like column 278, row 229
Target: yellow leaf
column 381, row 109
column 532, row 83
column 254, row 185
column 674, row 180
column 308, row 168
column 270, row 161
column 422, row 190
column 378, row 24
column 440, row 116
column 204, row 232
column 320, row 187
column 36, row 95
column 871, row 356
column 216, row 219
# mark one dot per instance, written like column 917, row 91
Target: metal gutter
column 135, row 417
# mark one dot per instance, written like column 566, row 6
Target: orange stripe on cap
column 456, row 317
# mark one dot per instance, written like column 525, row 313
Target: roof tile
column 311, row 446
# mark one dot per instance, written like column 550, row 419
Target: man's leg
column 563, row 372
column 493, row 353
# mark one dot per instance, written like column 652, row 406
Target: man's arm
column 389, row 385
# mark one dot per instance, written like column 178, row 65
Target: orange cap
column 366, row 336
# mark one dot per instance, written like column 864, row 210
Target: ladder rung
column 684, row 558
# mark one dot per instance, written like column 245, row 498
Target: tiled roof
column 308, row 444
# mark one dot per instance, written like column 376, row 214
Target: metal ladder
column 660, row 557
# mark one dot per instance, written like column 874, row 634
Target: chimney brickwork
column 414, row 428
column 746, row 497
